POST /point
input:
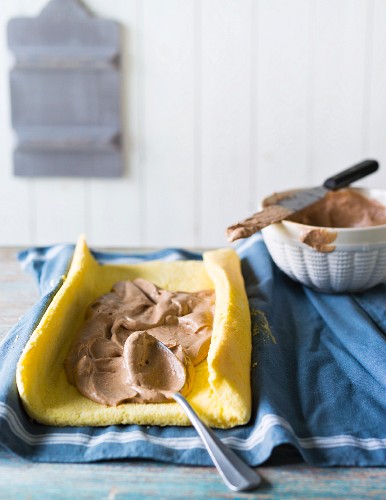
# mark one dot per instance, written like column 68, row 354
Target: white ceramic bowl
column 357, row 263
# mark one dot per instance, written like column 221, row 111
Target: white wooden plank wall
column 338, row 79
column 167, row 107
column 376, row 123
column 114, row 208
column 224, row 101
column 282, row 84
column 225, row 115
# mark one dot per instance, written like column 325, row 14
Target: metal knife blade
column 302, row 199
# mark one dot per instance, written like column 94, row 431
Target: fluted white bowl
column 357, row 263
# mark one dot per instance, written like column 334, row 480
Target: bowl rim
column 343, row 229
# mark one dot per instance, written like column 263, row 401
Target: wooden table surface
column 284, row 476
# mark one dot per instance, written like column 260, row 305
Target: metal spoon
column 237, row 475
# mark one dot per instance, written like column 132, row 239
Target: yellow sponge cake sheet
column 221, row 391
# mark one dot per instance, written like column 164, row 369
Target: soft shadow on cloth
column 318, row 375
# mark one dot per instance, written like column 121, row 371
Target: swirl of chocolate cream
column 104, row 362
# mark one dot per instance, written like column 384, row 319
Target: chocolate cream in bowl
column 116, row 347
column 342, row 208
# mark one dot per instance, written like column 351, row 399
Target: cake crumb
column 260, row 326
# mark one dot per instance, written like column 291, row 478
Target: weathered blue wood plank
column 114, row 480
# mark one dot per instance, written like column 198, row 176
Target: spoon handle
column 236, row 474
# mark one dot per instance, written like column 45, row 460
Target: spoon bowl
column 151, row 364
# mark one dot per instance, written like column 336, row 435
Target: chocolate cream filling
column 117, row 356
column 342, row 208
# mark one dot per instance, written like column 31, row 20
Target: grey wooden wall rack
column 65, row 93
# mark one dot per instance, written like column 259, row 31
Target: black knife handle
column 351, row 174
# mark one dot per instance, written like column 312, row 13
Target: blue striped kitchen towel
column 318, row 375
